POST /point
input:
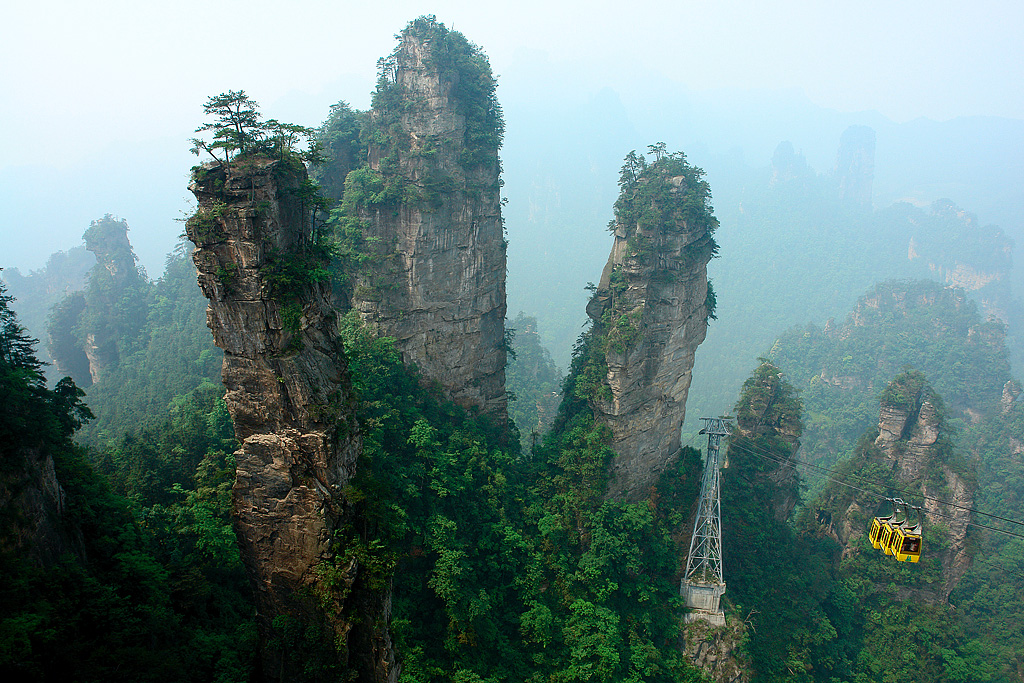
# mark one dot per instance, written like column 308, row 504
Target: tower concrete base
column 703, row 600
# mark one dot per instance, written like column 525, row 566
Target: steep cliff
column 289, row 397
column 111, row 311
column 33, row 500
column 35, row 426
column 767, row 424
column 911, row 434
column 650, row 311
column 962, row 252
column 94, row 329
column 429, row 209
column 37, row 292
column 841, row 367
column 912, row 452
column 855, row 166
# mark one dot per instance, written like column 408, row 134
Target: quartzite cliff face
column 912, row 442
column 910, row 434
column 288, row 394
column 855, row 166
column 438, row 286
column 650, row 312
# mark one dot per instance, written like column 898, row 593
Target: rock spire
column 431, row 213
column 650, row 312
column 289, row 398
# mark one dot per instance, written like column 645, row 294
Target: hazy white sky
column 85, row 78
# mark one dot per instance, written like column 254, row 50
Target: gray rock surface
column 651, row 305
column 33, row 501
column 910, row 438
column 717, row 650
column 439, row 290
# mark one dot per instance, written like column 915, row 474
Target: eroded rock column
column 910, row 434
column 650, row 313
column 289, row 398
column 438, row 283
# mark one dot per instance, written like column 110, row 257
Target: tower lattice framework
column 703, row 584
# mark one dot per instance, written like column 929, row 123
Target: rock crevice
column 910, row 436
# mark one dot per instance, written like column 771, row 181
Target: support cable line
column 909, row 493
column 792, row 463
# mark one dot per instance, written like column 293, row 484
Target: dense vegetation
column 840, row 369
column 164, row 349
column 820, row 615
column 510, row 567
column 464, row 70
column 533, row 381
column 782, row 583
column 150, row 583
column 861, row 604
column 40, row 290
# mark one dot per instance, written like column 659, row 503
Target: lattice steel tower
column 702, row 584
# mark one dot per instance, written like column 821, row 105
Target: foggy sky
column 97, row 100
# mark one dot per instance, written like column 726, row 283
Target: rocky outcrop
column 910, row 435
column 855, row 166
column 788, row 165
column 768, row 421
column 912, row 440
column 65, row 346
column 289, row 398
column 717, row 650
column 89, row 332
column 962, row 252
column 437, row 280
column 35, row 295
column 650, row 312
column 114, row 274
column 1011, row 392
column 32, row 503
column 935, row 316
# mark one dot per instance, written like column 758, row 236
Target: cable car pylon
column 702, row 585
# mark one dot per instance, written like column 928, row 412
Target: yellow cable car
column 875, row 535
column 905, row 543
column 889, row 525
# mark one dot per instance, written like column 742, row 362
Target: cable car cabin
column 875, row 535
column 905, row 543
column 888, row 533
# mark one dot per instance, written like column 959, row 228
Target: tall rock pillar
column 911, row 435
column 855, row 166
column 289, row 398
column 650, row 312
column 431, row 209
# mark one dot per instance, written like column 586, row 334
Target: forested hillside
column 821, row 604
column 136, row 571
column 840, row 369
column 800, row 254
column 136, row 346
column 37, row 292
